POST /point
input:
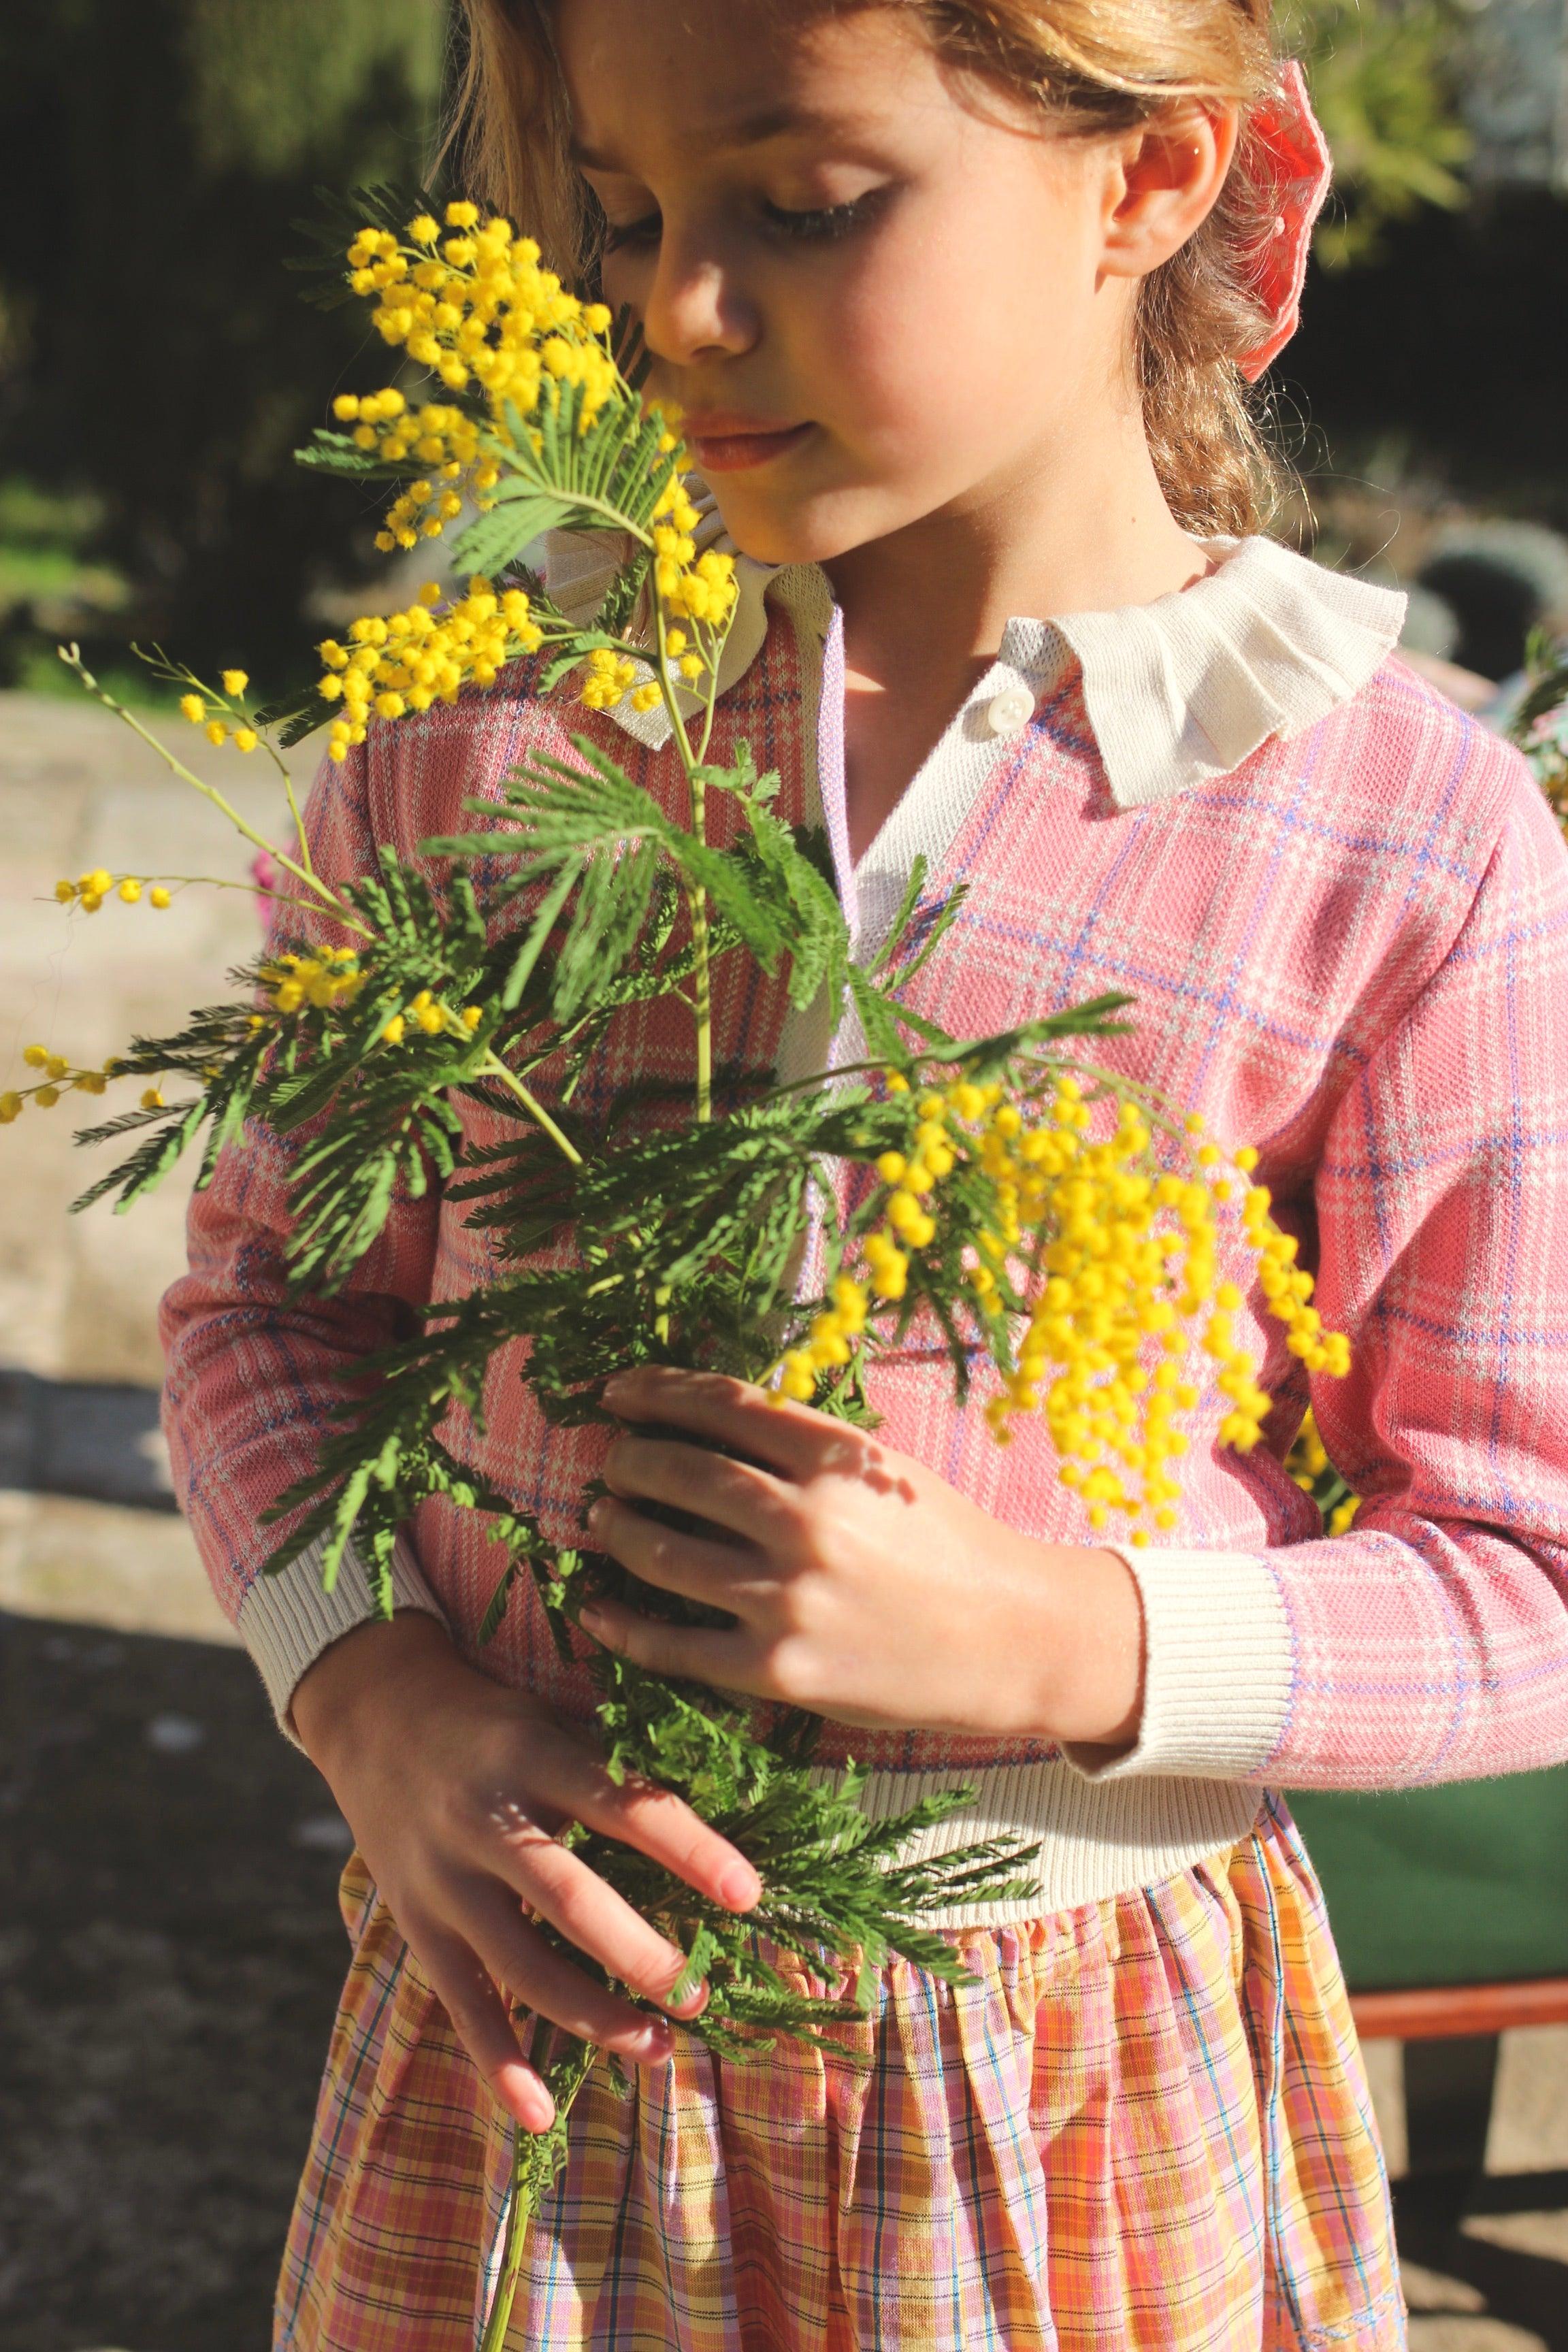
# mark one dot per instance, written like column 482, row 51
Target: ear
column 1166, row 179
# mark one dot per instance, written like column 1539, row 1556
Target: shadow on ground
column 1456, row 2229
column 169, row 1959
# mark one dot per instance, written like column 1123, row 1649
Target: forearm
column 247, row 1404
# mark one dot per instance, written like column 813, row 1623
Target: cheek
column 931, row 350
column 624, row 277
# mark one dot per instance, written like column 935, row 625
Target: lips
column 724, row 441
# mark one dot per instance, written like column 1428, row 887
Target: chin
column 814, row 527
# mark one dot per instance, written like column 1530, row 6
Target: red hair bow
column 1288, row 157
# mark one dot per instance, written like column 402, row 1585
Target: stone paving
column 169, row 1947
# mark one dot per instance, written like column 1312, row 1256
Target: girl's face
column 876, row 294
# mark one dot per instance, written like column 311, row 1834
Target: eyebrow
column 751, row 131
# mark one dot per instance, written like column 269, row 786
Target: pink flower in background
column 268, row 876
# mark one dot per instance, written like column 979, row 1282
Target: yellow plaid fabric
column 1145, row 2128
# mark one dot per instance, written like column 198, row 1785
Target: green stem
column 712, row 704
column 247, row 832
column 293, row 810
column 702, row 996
column 701, row 984
column 492, row 1067
column 696, row 897
column 566, row 2079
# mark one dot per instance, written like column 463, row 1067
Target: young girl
column 958, row 300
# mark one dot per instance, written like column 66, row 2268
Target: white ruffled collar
column 1176, row 692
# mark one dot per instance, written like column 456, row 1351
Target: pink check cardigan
column 1343, row 916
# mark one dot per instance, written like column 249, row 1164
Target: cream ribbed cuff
column 287, row 1620
column 1218, row 1667
column 1215, row 1694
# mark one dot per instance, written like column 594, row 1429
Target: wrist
column 1087, row 1648
column 377, row 1666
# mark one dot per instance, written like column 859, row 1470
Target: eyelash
column 824, row 225
column 637, row 232
column 830, row 222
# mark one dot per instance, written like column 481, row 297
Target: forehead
column 703, row 78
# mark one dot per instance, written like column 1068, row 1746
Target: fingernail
column 659, row 2043
column 739, row 1888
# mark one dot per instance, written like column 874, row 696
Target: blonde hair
column 1091, row 66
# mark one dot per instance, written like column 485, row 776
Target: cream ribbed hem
column 1216, row 1686
column 1218, row 1667
column 1094, row 1839
column 287, row 1620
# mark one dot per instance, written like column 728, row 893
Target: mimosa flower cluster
column 429, row 1017
column 411, row 659
column 221, row 721
column 471, row 303
column 1107, row 1262
column 699, row 587
column 441, row 437
column 90, row 890
column 57, row 1077
column 326, row 980
column 476, row 307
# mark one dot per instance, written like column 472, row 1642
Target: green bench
column 1449, row 1905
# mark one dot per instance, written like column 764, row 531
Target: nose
column 695, row 304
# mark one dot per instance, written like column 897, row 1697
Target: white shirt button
column 1009, row 712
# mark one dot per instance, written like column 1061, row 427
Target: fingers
column 676, row 1562
column 499, row 1947
column 536, row 1973
column 467, row 1992
column 733, row 1495
column 699, row 1653
column 790, row 1438
column 590, row 1914
column 656, row 1821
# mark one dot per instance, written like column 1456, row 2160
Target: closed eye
column 818, row 223
column 828, row 220
column 620, row 233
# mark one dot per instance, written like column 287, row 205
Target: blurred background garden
column 169, row 1951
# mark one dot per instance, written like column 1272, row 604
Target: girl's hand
column 455, row 1788
column 867, row 1588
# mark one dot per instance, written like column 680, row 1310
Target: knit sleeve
column 1430, row 1642
column 252, row 1374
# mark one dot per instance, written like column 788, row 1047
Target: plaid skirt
column 1146, row 2126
